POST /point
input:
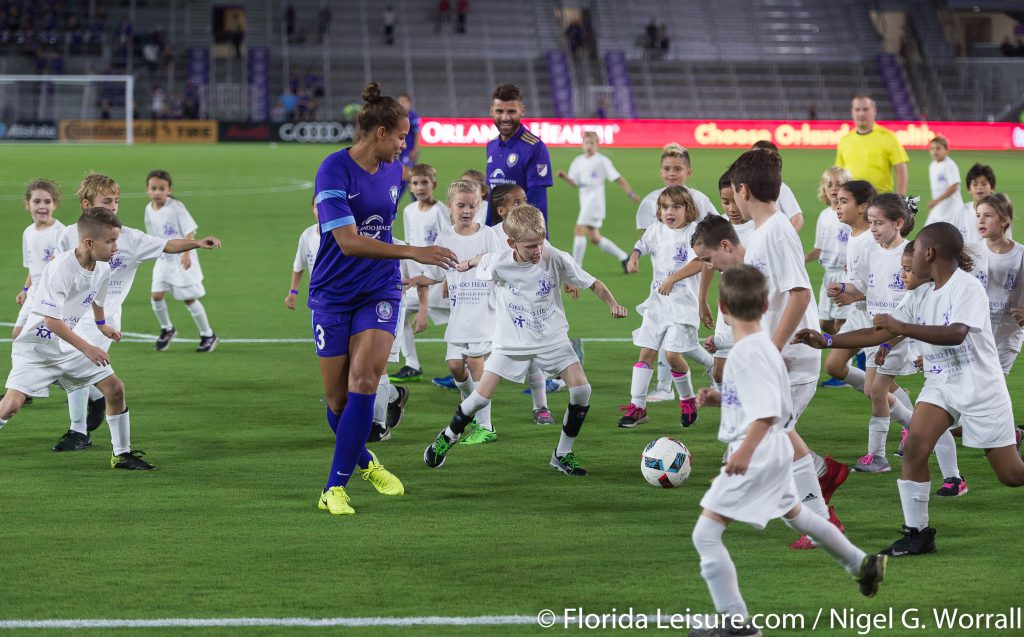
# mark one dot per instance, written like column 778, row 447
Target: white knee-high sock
column 700, row 355
column 664, row 373
column 162, row 315
column 78, row 402
column 878, row 429
column 465, row 386
column 898, row 412
column 829, row 538
column 914, row 498
column 642, row 373
column 807, row 487
column 684, row 387
column 855, row 378
column 579, row 248
column 538, row 389
column 904, row 397
column 120, row 433
column 408, row 344
column 609, row 246
column 94, row 394
column 380, row 402
column 483, row 418
column 717, row 569
column 945, row 453
column 198, row 313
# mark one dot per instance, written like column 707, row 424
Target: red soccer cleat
column 834, row 476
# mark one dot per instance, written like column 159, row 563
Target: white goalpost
column 52, row 98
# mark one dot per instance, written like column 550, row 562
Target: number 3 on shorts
column 319, row 339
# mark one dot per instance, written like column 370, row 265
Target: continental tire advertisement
column 178, row 131
column 328, row 132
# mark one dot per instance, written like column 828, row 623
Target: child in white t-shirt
column 756, row 484
column 964, row 382
column 50, row 350
column 471, row 324
column 999, row 265
column 944, row 179
column 786, row 203
column 181, row 275
column 423, row 220
column 981, row 182
column 40, row 242
column 675, row 170
column 530, row 329
column 480, row 179
column 588, row 172
column 830, row 239
column 305, row 257
column 670, row 312
column 721, row 342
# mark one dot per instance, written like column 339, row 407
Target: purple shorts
column 331, row 331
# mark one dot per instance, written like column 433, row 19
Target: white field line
column 299, row 622
column 137, row 337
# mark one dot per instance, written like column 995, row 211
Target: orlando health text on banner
column 694, row 133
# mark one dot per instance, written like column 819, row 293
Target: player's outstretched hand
column 21, row 297
column 834, row 289
column 633, row 265
column 709, row 345
column 809, row 337
column 419, row 322
column 572, row 291
column 561, row 174
column 110, row 333
column 97, row 355
column 289, row 301
column 209, row 243
column 634, row 197
column 881, row 355
column 1018, row 314
column 708, row 397
column 436, row 255
column 666, row 288
column 619, row 311
column 186, row 260
column 919, row 363
column 887, row 323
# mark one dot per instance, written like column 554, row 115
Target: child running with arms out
column 1000, row 267
column 181, row 275
column 531, row 330
column 756, row 484
column 588, row 172
column 40, row 242
column 949, row 318
column 670, row 312
column 471, row 324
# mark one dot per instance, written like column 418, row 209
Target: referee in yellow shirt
column 872, row 152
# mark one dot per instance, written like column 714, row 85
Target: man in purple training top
column 516, row 156
column 411, row 154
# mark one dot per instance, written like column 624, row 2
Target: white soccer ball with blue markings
column 665, row 463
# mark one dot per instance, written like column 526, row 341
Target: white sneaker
column 659, row 395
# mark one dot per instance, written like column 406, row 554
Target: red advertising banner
column 698, row 133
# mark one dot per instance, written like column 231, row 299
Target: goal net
column 71, row 108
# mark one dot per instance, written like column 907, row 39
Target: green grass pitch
column 228, row 525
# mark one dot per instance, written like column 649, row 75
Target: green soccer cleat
column 478, row 436
column 385, row 482
column 336, row 501
column 131, row 460
column 434, row 454
column 406, row 375
column 569, row 464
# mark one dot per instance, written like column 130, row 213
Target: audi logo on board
column 316, row 132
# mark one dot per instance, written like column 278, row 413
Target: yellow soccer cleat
column 382, row 480
column 336, row 501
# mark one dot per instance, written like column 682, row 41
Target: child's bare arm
column 739, row 460
column 603, row 293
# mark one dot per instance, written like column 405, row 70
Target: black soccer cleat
column 569, row 464
column 872, row 572
column 208, row 343
column 73, row 441
column 131, row 460
column 379, row 433
column 165, row 338
column 726, row 630
column 913, row 542
column 95, row 413
column 396, row 408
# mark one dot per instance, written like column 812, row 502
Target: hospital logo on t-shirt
column 843, row 236
column 681, row 254
column 730, row 398
column 48, row 253
column 88, row 300
column 1011, row 282
column 170, row 230
column 897, row 282
column 545, row 285
column 116, row 262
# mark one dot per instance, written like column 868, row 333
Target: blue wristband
column 24, row 289
column 887, row 347
column 98, row 323
column 828, row 340
column 293, row 291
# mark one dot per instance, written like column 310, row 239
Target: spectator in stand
column 663, row 41
column 444, row 11
column 650, row 38
column 307, row 106
column 191, row 106
column 158, row 105
column 325, row 20
column 574, row 38
column 390, row 18
column 461, row 9
column 289, row 23
column 289, row 105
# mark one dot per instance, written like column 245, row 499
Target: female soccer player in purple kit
column 355, row 287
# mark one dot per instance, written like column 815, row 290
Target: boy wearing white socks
column 167, row 218
column 756, row 484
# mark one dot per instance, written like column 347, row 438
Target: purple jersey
column 523, row 160
column 348, row 195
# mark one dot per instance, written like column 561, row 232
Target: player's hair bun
column 372, row 93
